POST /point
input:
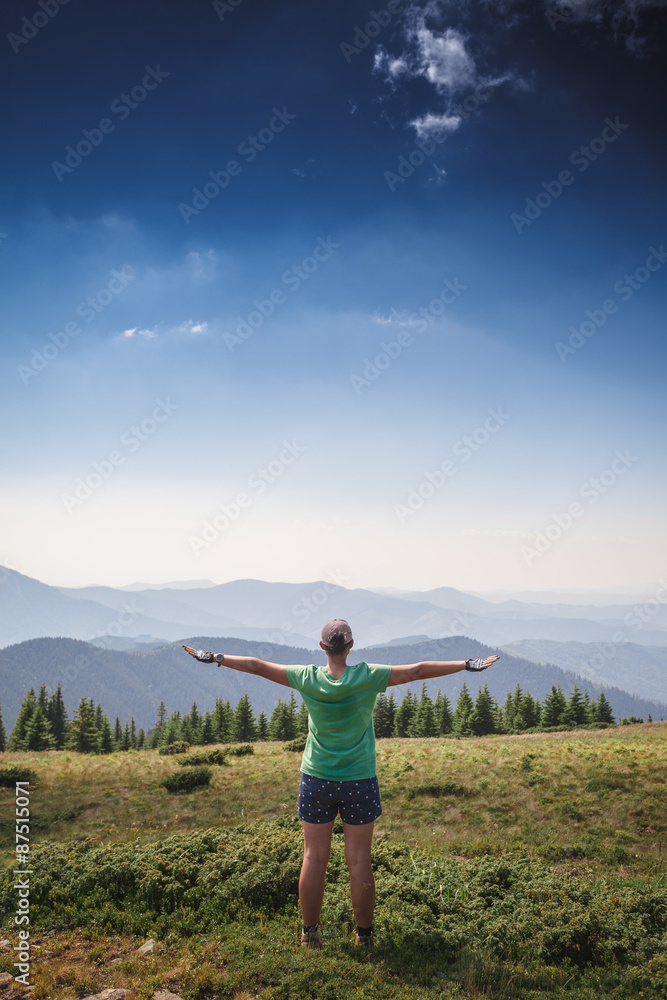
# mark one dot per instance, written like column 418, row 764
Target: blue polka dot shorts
column 320, row 800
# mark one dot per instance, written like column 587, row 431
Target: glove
column 476, row 665
column 203, row 657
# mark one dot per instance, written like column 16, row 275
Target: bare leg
column 316, row 851
column 358, row 841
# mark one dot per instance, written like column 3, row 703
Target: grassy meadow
column 511, row 866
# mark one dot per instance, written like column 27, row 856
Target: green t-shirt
column 341, row 740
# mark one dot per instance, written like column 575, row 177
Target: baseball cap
column 336, row 633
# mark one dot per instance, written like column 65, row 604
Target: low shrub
column 296, row 746
column 180, row 746
column 216, row 756
column 10, row 775
column 185, row 781
column 241, row 750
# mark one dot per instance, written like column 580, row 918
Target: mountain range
column 614, row 645
column 132, row 683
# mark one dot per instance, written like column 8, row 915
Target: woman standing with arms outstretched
column 338, row 764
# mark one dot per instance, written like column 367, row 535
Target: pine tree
column 423, row 722
column 57, row 714
column 483, row 718
column 262, row 727
column 83, row 736
column 161, row 715
column 38, row 732
column 133, row 734
column 118, row 733
column 18, row 734
column 126, row 738
column 182, row 730
column 43, row 700
column 106, row 741
column 404, row 714
column 282, row 724
column 99, row 718
column 530, row 712
column 3, row 734
column 302, row 720
column 463, row 713
column 208, row 729
column 383, row 715
column 576, row 713
column 223, row 717
column 194, row 715
column 554, row 709
column 510, row 710
column 604, row 711
column 245, row 727
column 141, row 740
column 443, row 714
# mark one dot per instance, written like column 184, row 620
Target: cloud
column 429, row 123
column 137, row 331
column 193, row 328
column 443, row 58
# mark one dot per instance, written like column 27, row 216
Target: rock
column 147, row 948
column 5, row 980
column 165, row 995
column 5, row 945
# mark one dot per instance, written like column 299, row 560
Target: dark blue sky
column 313, row 242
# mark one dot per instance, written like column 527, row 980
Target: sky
column 308, row 291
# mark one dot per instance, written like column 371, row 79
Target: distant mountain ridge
column 131, row 683
column 293, row 612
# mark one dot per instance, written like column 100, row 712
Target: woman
column 338, row 764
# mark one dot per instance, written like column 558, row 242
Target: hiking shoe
column 311, row 939
column 364, row 939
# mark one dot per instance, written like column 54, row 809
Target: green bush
column 10, row 775
column 185, row 781
column 296, row 746
column 180, row 746
column 204, row 757
column 242, row 750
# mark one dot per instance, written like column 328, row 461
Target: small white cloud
column 444, row 60
column 137, row 331
column 429, row 124
column 193, row 328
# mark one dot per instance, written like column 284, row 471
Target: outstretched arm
column 435, row 668
column 247, row 664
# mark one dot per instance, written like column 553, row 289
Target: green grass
column 506, row 867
